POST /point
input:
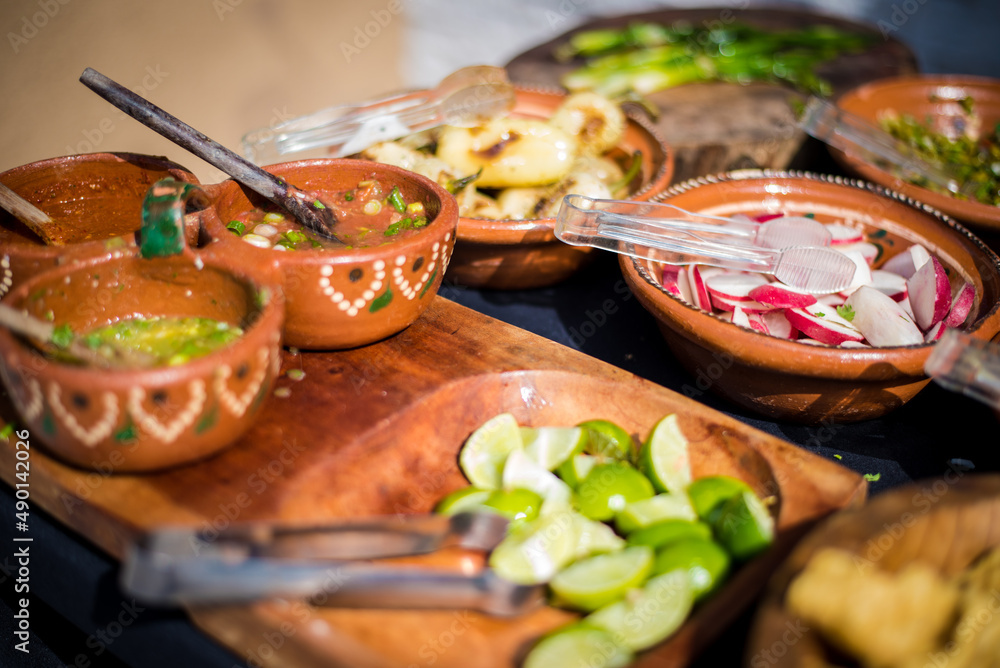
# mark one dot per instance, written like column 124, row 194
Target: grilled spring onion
column 646, row 57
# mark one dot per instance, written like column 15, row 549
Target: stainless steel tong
column 330, row 564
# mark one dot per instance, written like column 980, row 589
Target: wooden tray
column 376, row 430
column 717, row 127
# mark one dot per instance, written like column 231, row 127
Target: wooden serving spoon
column 37, row 220
column 41, row 333
column 307, row 210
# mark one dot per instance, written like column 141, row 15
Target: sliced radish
column 869, row 251
column 881, row 319
column 862, row 273
column 684, row 286
column 748, row 305
column 734, row 287
column 961, row 305
column 930, row 294
column 908, row 261
column 904, row 304
column 781, row 296
column 764, row 217
column 822, row 323
column 699, row 293
column 890, row 283
column 832, row 299
column 844, row 234
column 740, row 317
column 669, row 279
column 777, row 325
column 935, row 332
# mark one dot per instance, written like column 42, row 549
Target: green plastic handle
column 162, row 232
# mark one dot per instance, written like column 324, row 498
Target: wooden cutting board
column 376, row 430
column 717, row 127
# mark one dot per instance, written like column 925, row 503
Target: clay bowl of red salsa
column 396, row 232
column 95, row 199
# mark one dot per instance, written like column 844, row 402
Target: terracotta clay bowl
column 339, row 299
column 97, row 198
column 794, row 381
column 520, row 254
column 945, row 524
column 923, row 97
column 141, row 419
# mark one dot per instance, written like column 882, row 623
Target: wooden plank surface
column 376, row 430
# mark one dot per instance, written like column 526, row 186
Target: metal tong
column 856, row 136
column 330, row 564
column 468, row 97
column 793, row 249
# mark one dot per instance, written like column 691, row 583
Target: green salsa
column 167, row 341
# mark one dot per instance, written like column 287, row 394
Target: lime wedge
column 649, row 615
column 485, row 451
column 596, row 581
column 744, row 526
column 576, row 468
column 608, row 439
column 704, row 561
column 664, row 457
column 707, row 494
column 515, row 504
column 535, row 551
column 666, row 532
column 578, row 646
column 595, row 537
column 609, row 487
column 462, row 499
column 521, row 471
column 551, row 446
column 641, row 514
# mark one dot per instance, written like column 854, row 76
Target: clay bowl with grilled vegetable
column 155, row 358
column 392, row 241
column 912, row 579
column 94, row 201
column 510, row 175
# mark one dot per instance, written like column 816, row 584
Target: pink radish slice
column 777, row 325
column 833, row 299
column 844, row 234
column 930, row 294
column 734, row 287
column 961, row 305
column 740, row 317
column 868, row 251
column 890, row 283
column 748, row 305
column 780, row 296
column 764, row 217
column 757, row 323
column 669, row 280
column 699, row 293
column 881, row 320
column 935, row 332
column 684, row 285
column 907, row 262
column 822, row 323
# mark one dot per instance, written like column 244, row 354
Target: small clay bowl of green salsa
column 395, row 233
column 95, row 201
column 192, row 344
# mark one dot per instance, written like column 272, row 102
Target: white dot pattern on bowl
column 167, row 433
column 237, row 405
column 6, row 275
column 97, row 432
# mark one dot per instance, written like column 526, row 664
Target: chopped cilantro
column 820, row 314
column 873, row 477
column 846, row 311
column 317, row 204
column 838, row 456
column 7, row 430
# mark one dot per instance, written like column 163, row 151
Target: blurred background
column 229, row 66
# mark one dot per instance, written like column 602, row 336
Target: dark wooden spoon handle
column 319, row 218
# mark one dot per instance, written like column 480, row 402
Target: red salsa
column 369, row 215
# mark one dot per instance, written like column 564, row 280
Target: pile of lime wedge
column 619, row 531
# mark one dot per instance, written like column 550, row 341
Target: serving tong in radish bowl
column 334, row 564
column 795, row 250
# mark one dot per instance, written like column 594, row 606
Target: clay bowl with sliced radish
column 851, row 354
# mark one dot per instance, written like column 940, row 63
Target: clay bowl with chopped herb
column 153, row 358
column 845, row 356
column 950, row 118
column 94, row 201
column 381, row 269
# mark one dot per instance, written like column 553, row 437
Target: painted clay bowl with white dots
column 351, row 296
column 117, row 420
column 95, row 200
